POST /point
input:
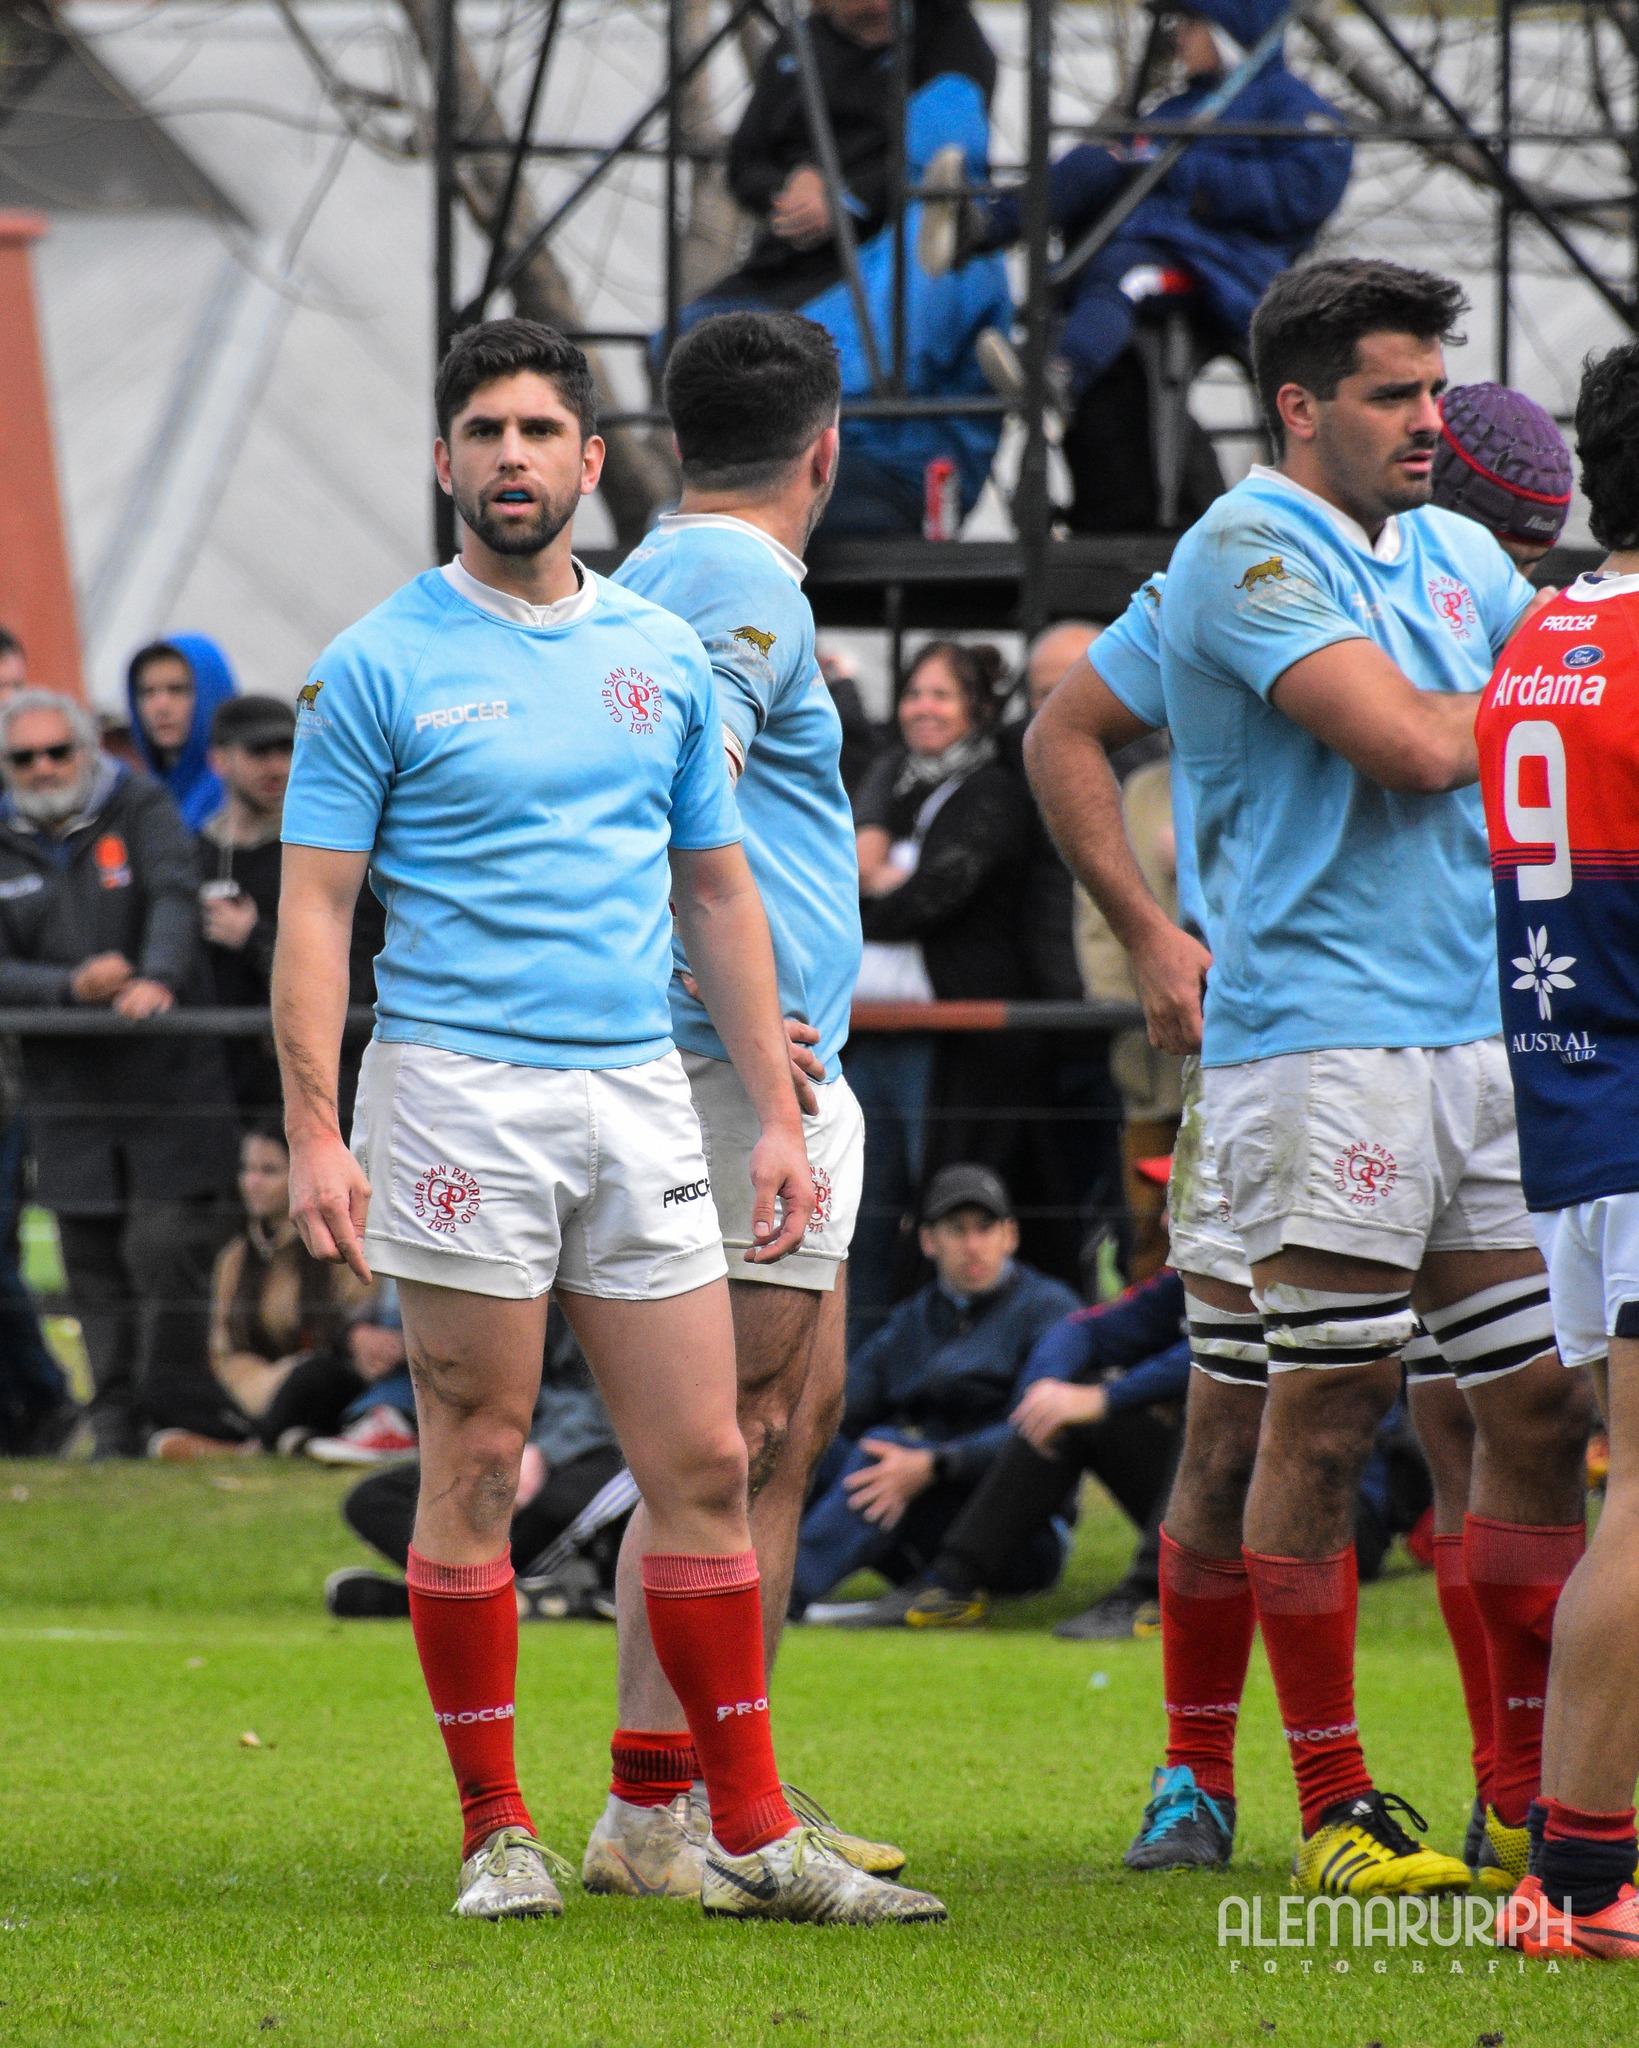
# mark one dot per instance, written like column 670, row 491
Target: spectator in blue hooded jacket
column 1232, row 213
column 928, row 1398
column 174, row 687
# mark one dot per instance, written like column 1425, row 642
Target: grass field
column 161, row 1882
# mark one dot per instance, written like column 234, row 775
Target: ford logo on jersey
column 1582, row 657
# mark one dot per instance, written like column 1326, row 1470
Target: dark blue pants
column 31, row 1382
column 837, row 1541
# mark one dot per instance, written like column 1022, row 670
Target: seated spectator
column 1503, row 462
column 1088, row 1402
column 928, row 1399
column 574, row 1498
column 279, row 1318
column 794, row 262
column 13, row 666
column 239, row 861
column 133, row 1136
column 943, row 830
column 174, row 687
column 1231, row 213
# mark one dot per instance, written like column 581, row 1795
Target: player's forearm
column 1080, row 801
column 725, row 935
column 309, row 1012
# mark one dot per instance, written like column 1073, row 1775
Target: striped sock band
column 1319, row 1326
column 1226, row 1346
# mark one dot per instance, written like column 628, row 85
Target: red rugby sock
column 1306, row 1609
column 1516, row 1570
column 1467, row 1633
column 465, row 1618
column 706, row 1622
column 1207, row 1623
column 652, row 1768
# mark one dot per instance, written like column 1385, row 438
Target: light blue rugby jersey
column 518, row 787
column 1339, row 913
column 742, row 593
column 1127, row 656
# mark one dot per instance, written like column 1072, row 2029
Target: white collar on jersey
column 675, row 522
column 501, row 604
column 1386, row 547
column 1589, row 588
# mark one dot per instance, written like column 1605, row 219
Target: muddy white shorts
column 1373, row 1154
column 511, row 1180
column 1202, row 1234
column 1592, row 1252
column 836, row 1152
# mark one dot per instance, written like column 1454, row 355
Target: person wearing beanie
column 1503, row 462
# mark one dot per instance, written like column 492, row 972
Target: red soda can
column 941, row 500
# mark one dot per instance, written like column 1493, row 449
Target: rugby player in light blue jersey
column 1107, row 701
column 753, row 401
column 530, row 765
column 1324, row 635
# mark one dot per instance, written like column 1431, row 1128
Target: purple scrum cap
column 1501, row 460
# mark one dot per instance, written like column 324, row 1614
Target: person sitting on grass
column 279, row 1324
column 928, row 1399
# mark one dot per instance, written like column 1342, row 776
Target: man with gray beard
column 133, row 1137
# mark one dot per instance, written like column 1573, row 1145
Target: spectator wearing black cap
column 928, row 1399
column 239, row 861
column 1503, row 463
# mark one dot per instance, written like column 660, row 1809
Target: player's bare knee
column 711, row 1477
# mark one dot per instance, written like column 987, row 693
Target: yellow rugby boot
column 1504, row 1854
column 1360, row 1848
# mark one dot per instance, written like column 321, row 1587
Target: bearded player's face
column 516, row 463
column 1377, row 436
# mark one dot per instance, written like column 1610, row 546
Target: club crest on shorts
column 1365, row 1173
column 446, row 1197
column 1453, row 603
column 822, row 1201
column 632, row 699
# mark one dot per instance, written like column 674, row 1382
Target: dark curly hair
column 1310, row 323
column 503, row 348
column 979, row 669
column 1607, row 445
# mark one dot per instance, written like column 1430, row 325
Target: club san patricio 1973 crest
column 632, row 699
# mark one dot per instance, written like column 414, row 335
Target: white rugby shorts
column 1202, row 1235
column 1592, row 1251
column 510, row 1180
column 1373, row 1154
column 835, row 1138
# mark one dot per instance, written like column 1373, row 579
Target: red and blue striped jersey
column 1558, row 736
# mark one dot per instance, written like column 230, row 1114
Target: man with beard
column 1325, row 632
column 530, row 763
column 135, row 1152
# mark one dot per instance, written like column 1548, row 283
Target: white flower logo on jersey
column 1538, row 969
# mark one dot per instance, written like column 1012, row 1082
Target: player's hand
column 779, row 1172
column 883, row 1491
column 100, row 979
column 230, row 920
column 1540, row 602
column 1171, row 969
column 800, row 214
column 1053, row 1405
column 143, row 999
column 806, row 1067
column 329, row 1199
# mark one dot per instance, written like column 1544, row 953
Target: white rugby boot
column 509, row 1877
column 646, row 1852
column 802, row 1877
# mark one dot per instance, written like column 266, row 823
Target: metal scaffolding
column 1039, row 574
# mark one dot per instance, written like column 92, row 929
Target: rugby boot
column 1504, row 1853
column 1183, row 1827
column 802, row 1877
column 647, row 1852
column 509, row 1877
column 916, row 1607
column 1360, row 1848
column 878, row 1859
column 1522, row 1913
column 1539, row 1928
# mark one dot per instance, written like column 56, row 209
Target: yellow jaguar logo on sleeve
column 753, row 638
column 307, row 697
column 1271, row 571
